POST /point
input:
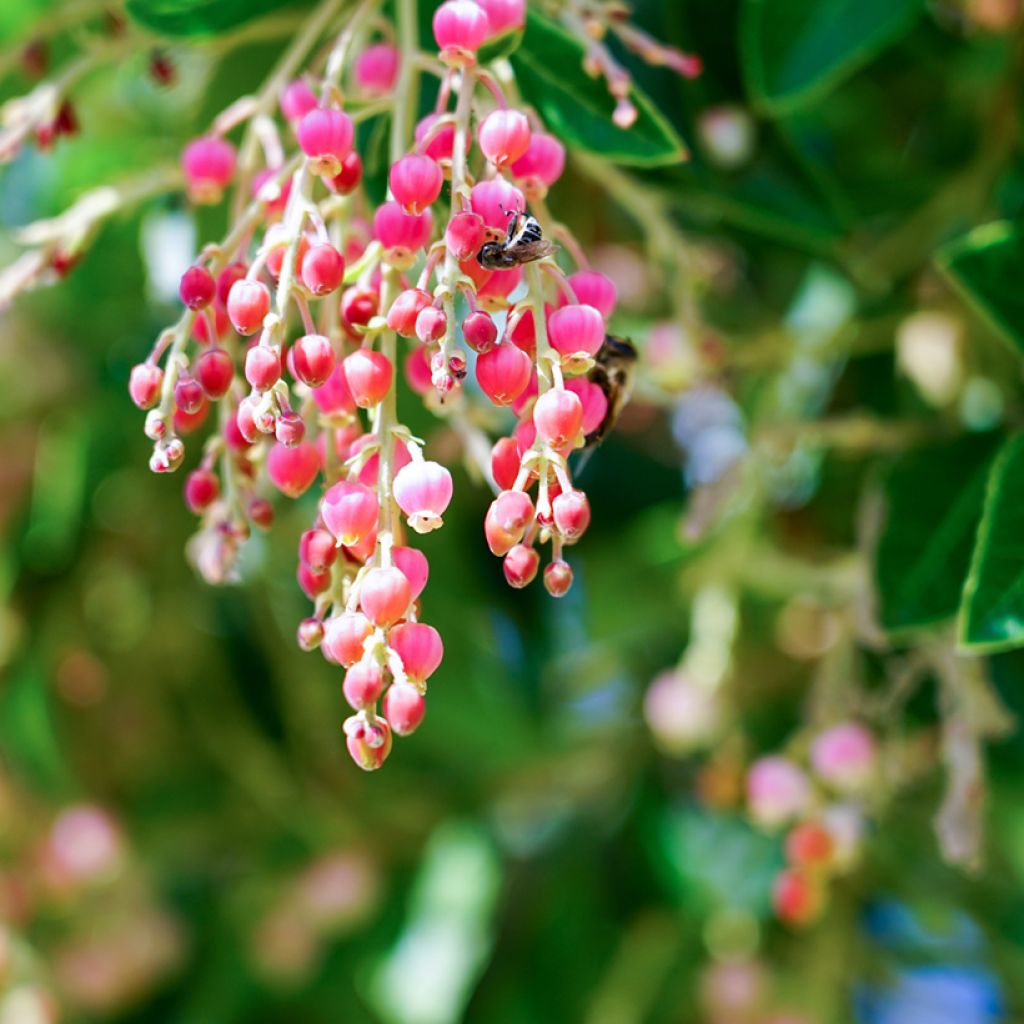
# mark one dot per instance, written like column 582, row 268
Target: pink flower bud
column 311, row 583
column 503, row 373
column 417, row 370
column 325, row 136
column 290, row 429
column 197, row 287
column 323, row 268
column 358, row 305
column 349, row 510
column 404, row 708
column 504, row 136
column 317, row 550
column 376, row 69
column 558, row 578
column 423, row 491
column 309, row 634
column 592, row 288
column 262, row 367
column 576, row 328
column 364, row 683
column 431, row 324
column 506, row 520
column 503, row 16
column 345, row 636
column 225, row 281
column 542, row 164
column 293, row 470
column 558, row 417
column 571, row 512
column 209, row 165
column 415, row 182
column 480, row 332
column 369, row 375
column 521, row 330
column 494, row 200
column 369, row 473
column 520, row 566
column 460, row 26
column 248, row 304
column 420, row 648
column 215, row 371
column 844, row 756
column 414, row 566
column 595, row 402
column 312, row 359
column 85, row 844
column 202, row 488
column 441, row 143
column 777, row 790
column 368, row 745
column 297, row 100
column 144, row 385
column 246, row 422
column 465, row 235
column 682, row 714
column 384, row 595
column 493, row 293
column 346, row 181
column 505, row 462
column 406, row 308
column 402, row 234
column 188, row 395
column 334, row 396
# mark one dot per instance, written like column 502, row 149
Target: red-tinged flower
column 592, row 288
column 521, row 330
column 144, row 385
column 273, row 194
column 402, row 234
column 376, row 69
column 465, row 234
column 558, row 417
column 431, row 324
column 262, row 367
column 369, row 375
column 345, row 637
column 368, row 744
column 571, row 515
column 215, row 371
column 346, row 181
column 311, row 583
column 495, row 200
column 503, row 373
column 558, row 578
column 595, row 402
column 480, row 332
column 358, row 305
column 187, row 422
column 414, row 566
column 525, row 434
column 404, row 708
column 406, row 308
column 309, row 634
column 504, row 136
column 248, row 304
column 197, row 287
column 384, row 595
column 420, row 648
column 505, row 460
column 542, row 164
column 323, row 268
column 334, row 397
column 349, row 510
column 363, row 685
column 506, row 520
column 312, row 359
column 188, row 395
column 297, row 100
column 371, row 468
column 477, row 274
column 276, row 242
column 293, row 470
column 520, row 565
column 226, row 279
column 503, row 16
column 810, row 845
column 460, row 26
column 441, row 143
column 209, row 165
column 798, row 898
column 493, row 294
column 417, row 370
column 423, row 491
column 576, row 328
column 415, row 182
column 325, row 136
column 245, row 419
column 318, row 550
column 290, row 429
column 202, row 488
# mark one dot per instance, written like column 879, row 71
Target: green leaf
column 933, row 505
column 578, row 108
column 794, row 51
column 500, row 47
column 992, row 613
column 27, row 733
column 985, row 267
column 198, row 17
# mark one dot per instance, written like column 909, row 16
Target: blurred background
column 182, row 836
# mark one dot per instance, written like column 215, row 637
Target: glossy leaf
column 985, row 267
column 992, row 615
column 198, row 17
column 934, row 500
column 793, row 51
column 578, row 108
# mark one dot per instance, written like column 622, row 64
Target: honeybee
column 523, row 243
column 613, row 372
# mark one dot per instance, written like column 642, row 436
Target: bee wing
column 527, row 252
